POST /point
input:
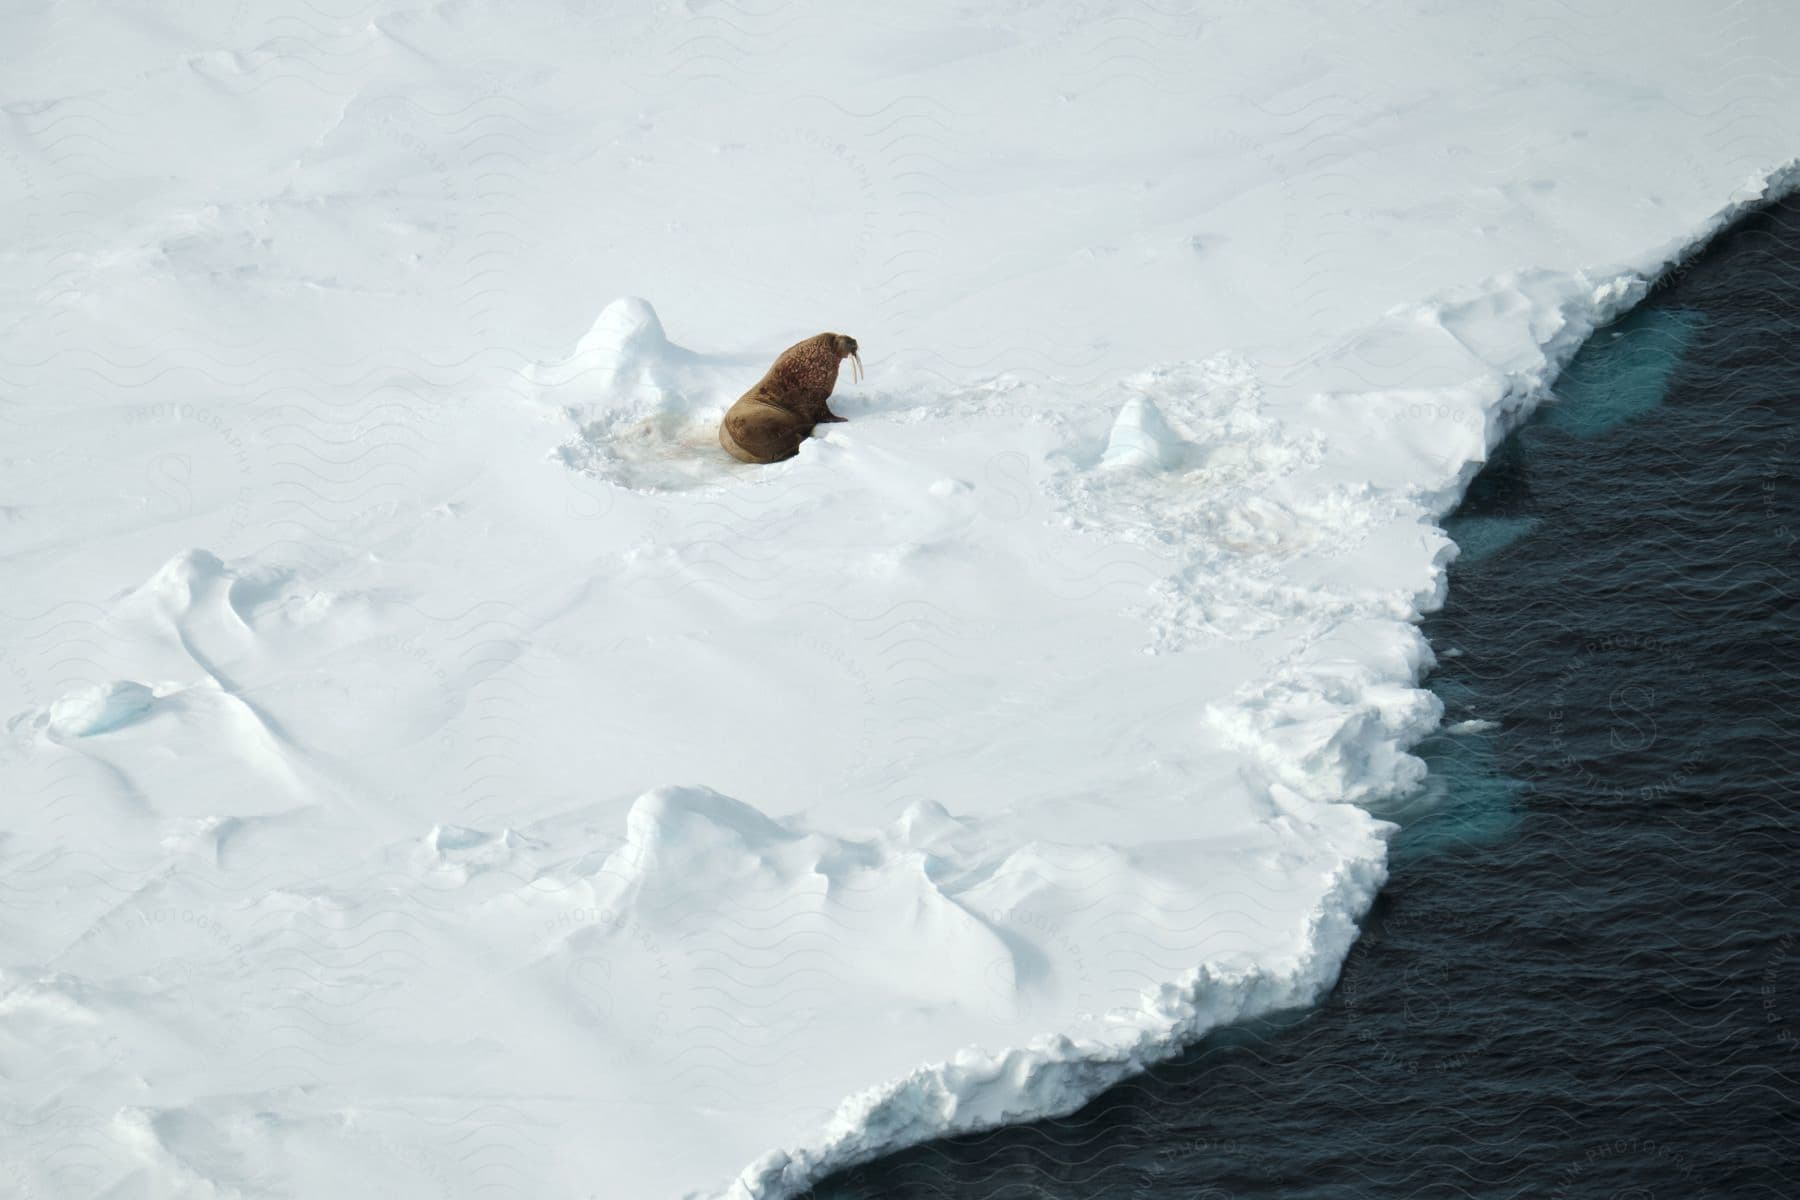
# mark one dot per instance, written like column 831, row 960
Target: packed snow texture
column 433, row 768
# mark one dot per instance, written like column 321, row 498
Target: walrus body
column 769, row 421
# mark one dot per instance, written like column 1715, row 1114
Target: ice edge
column 1054, row 1075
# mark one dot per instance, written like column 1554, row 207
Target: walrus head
column 845, row 346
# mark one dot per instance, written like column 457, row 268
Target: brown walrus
column 769, row 421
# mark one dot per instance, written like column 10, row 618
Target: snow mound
column 864, row 909
column 102, row 709
column 183, row 580
column 624, row 356
column 1142, row 439
column 1196, row 470
column 646, row 411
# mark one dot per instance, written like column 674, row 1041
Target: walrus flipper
column 762, row 433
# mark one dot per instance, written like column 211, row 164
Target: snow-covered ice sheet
column 433, row 768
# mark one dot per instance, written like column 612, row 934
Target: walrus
column 769, row 421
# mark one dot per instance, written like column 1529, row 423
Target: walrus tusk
column 857, row 374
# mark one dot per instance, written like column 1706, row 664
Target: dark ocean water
column 1584, row 977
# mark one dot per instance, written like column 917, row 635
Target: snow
column 93, row 710
column 432, row 767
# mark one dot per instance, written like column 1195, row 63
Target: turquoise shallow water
column 1584, row 977
column 1624, row 371
column 1477, row 537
